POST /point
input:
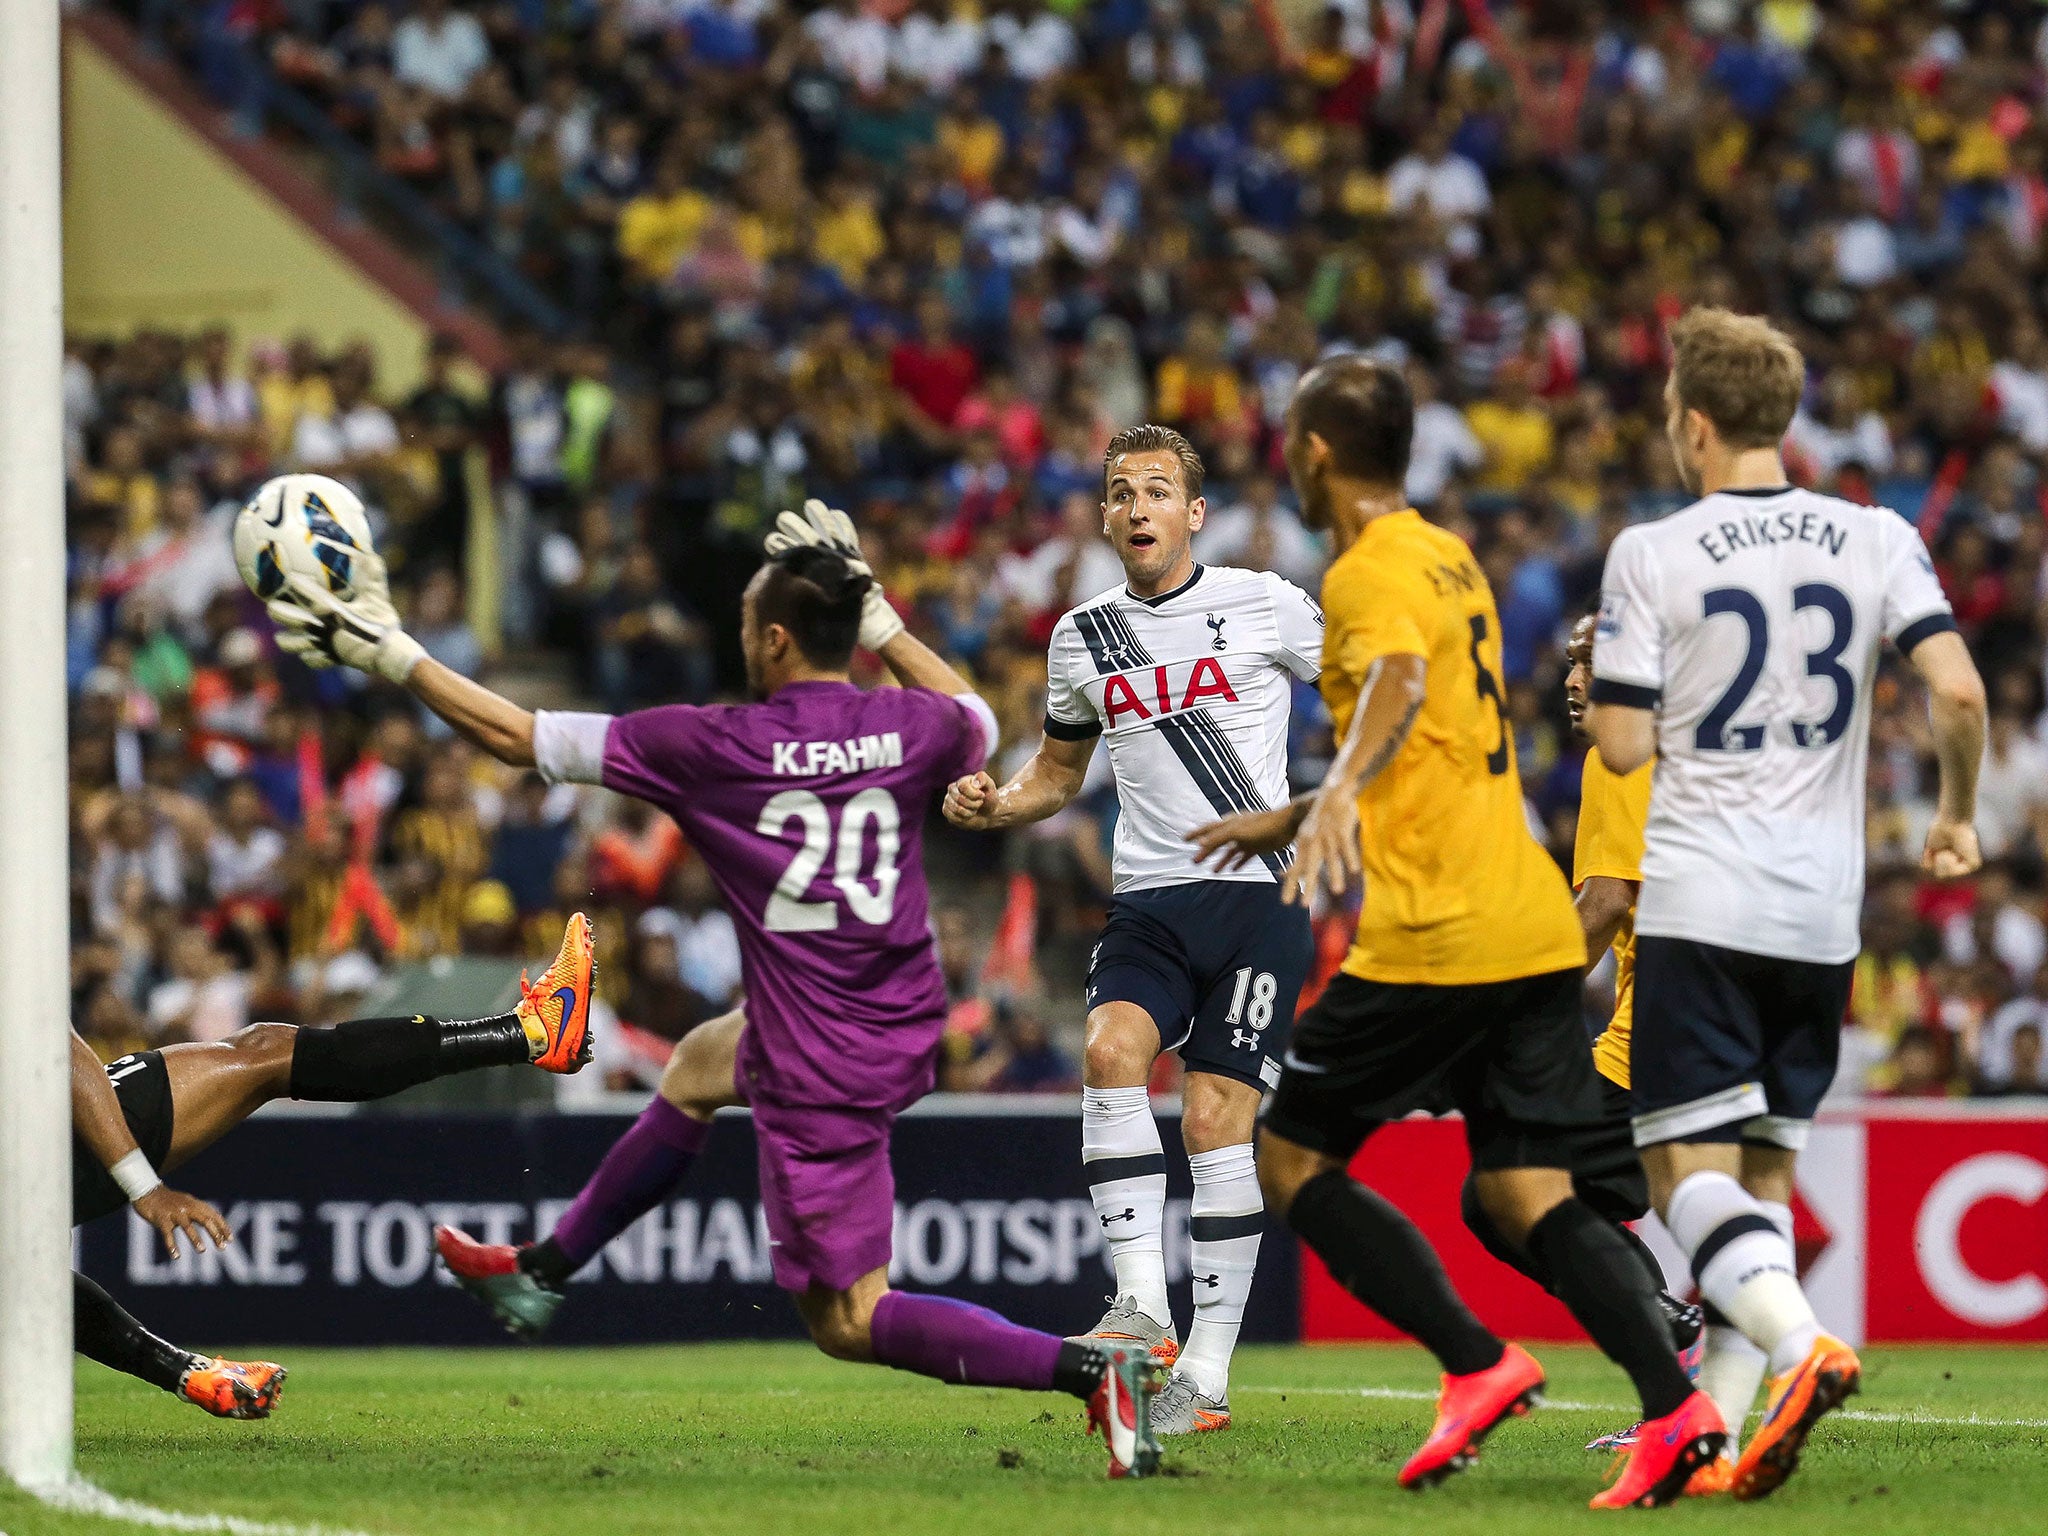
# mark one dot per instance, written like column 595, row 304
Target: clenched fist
column 970, row 802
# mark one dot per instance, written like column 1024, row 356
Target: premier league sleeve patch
column 1613, row 612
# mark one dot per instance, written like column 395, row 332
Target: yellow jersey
column 1457, row 891
column 1612, row 810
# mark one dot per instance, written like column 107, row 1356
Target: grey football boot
column 1126, row 1323
column 1185, row 1409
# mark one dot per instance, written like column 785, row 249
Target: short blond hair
column 1740, row 372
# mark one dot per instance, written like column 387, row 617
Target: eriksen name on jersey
column 809, row 759
column 1787, row 527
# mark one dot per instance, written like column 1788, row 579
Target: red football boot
column 1468, row 1410
column 1667, row 1452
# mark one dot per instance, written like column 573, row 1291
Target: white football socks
column 1730, row 1374
column 1126, row 1170
column 1224, row 1224
column 1742, row 1261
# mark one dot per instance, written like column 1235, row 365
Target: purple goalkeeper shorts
column 827, row 1191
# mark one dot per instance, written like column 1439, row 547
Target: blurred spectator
column 2009, row 1056
column 2012, row 785
column 706, row 946
column 1261, row 531
column 438, row 48
column 245, row 855
column 649, row 650
column 1919, row 1067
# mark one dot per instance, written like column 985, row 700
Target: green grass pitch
column 763, row 1440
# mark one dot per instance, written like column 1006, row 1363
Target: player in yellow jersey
column 1462, row 988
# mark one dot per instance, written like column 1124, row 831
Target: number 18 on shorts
column 1217, row 964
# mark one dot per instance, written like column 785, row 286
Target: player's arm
column 1236, row 840
column 1046, row 784
column 1955, row 706
column 1603, row 904
column 489, row 720
column 366, row 634
column 1327, row 855
column 1628, row 656
column 1626, row 734
column 97, row 1121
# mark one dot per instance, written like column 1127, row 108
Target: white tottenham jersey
column 1190, row 687
column 1752, row 621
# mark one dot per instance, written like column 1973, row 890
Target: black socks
column 546, row 1263
column 1379, row 1256
column 373, row 1058
column 1683, row 1319
column 1601, row 1279
column 1078, row 1368
column 102, row 1331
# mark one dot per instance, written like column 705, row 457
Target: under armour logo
column 1212, row 1281
column 1244, row 1039
column 1216, row 629
column 1128, row 1215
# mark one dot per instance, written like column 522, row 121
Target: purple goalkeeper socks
column 642, row 1167
column 957, row 1341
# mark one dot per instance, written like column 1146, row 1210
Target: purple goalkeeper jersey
column 809, row 812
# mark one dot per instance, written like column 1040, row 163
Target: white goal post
column 35, row 1100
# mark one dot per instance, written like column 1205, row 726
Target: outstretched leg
column 215, row 1087
column 958, row 1342
column 524, row 1286
column 646, row 1163
column 103, row 1330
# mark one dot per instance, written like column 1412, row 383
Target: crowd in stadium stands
column 922, row 259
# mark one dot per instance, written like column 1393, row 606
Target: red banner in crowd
column 1914, row 1222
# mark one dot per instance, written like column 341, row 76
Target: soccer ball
column 306, row 526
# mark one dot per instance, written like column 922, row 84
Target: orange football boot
column 1468, row 1410
column 1666, row 1455
column 556, row 1009
column 1816, row 1386
column 233, row 1389
column 1715, row 1478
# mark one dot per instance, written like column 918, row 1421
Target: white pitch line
column 1567, row 1405
column 79, row 1497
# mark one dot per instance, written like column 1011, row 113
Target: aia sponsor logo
column 1151, row 692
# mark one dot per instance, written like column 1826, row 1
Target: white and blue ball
column 304, row 526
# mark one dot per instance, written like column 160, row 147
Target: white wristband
column 397, row 654
column 135, row 1176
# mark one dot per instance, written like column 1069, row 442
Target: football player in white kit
column 1737, row 643
column 1185, row 670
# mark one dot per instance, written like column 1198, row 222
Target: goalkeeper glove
column 829, row 528
column 365, row 633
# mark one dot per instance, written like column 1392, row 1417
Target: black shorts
column 1218, row 964
column 1607, row 1172
column 143, row 1086
column 1730, row 1046
column 1510, row 1055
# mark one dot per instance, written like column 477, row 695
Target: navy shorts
column 1730, row 1046
column 1218, row 964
